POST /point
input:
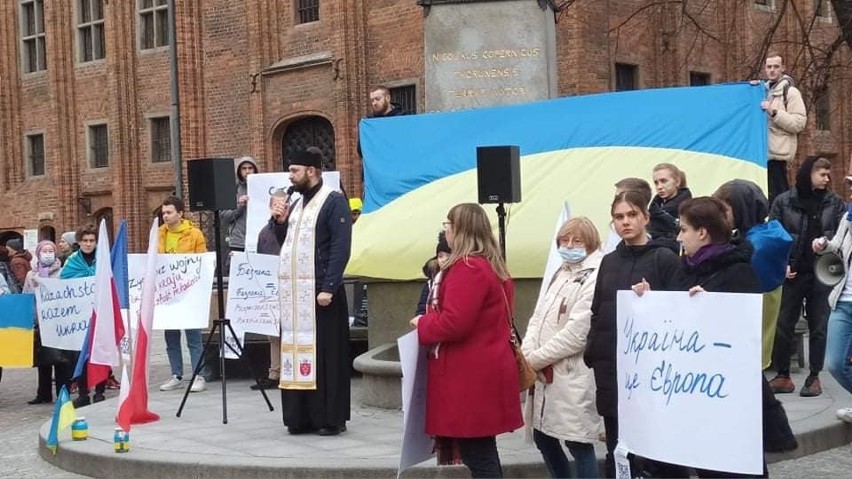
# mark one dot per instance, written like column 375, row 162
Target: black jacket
column 671, row 206
column 728, row 273
column 661, row 225
column 732, row 273
column 620, row 270
column 790, row 209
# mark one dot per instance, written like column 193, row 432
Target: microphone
column 289, row 194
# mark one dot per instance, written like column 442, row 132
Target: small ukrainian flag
column 63, row 415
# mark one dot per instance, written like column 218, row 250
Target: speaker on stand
column 498, row 175
column 211, row 184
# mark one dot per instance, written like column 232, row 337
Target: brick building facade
column 85, row 84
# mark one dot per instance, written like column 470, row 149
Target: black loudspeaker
column 498, row 174
column 212, row 184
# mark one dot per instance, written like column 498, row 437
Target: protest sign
column 260, row 188
column 184, row 286
column 16, row 330
column 689, row 379
column 64, row 308
column 30, row 240
column 252, row 296
column 417, row 446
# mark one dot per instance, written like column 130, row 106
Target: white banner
column 260, row 188
column 689, row 379
column 253, row 303
column 184, row 286
column 64, row 307
column 416, row 444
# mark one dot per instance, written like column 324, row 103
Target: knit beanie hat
column 70, row 237
column 443, row 246
column 16, row 244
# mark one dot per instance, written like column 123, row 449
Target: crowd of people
column 671, row 242
column 661, row 238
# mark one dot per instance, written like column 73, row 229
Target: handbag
column 526, row 374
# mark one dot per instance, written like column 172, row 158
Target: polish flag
column 133, row 401
column 107, row 326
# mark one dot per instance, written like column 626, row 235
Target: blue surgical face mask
column 572, row 255
column 48, row 259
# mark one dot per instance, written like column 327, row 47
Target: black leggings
column 479, row 454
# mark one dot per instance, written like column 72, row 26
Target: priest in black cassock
column 316, row 234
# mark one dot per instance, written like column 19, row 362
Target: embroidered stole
column 297, row 293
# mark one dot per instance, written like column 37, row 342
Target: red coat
column 472, row 387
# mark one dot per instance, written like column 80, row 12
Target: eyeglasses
column 446, row 223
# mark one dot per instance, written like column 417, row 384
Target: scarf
column 708, row 252
column 44, row 271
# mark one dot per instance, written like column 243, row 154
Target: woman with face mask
column 47, row 359
column 562, row 404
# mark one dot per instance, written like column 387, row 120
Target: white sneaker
column 845, row 414
column 170, row 385
column 198, row 385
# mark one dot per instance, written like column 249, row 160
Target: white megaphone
column 829, row 269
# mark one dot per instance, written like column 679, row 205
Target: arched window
column 106, row 215
column 47, row 233
column 309, row 131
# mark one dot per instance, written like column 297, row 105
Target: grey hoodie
column 235, row 220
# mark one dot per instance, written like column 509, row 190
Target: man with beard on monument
column 316, row 235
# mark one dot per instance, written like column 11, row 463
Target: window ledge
column 296, row 63
column 151, row 51
column 98, row 63
column 36, row 74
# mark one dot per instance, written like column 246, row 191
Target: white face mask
column 48, row 259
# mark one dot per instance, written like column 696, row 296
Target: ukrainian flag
column 16, row 330
column 572, row 149
column 63, row 415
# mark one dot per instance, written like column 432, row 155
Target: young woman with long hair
column 472, row 386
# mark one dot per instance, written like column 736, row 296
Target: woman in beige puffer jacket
column 563, row 408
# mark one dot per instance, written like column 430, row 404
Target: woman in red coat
column 472, row 387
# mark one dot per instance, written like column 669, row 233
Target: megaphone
column 829, row 269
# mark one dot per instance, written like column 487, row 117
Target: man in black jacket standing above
column 808, row 211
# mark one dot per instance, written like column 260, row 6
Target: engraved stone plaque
column 484, row 53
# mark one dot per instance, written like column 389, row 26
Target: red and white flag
column 107, row 326
column 133, row 402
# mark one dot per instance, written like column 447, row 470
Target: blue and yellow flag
column 63, row 415
column 572, row 149
column 16, row 330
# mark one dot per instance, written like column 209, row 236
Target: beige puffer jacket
column 791, row 118
column 556, row 334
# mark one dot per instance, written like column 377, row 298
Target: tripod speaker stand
column 207, row 180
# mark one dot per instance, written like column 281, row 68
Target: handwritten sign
column 689, row 379
column 253, row 303
column 417, row 446
column 260, row 188
column 184, row 286
column 64, row 308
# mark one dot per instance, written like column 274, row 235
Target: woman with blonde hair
column 472, row 386
column 670, row 184
column 562, row 406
